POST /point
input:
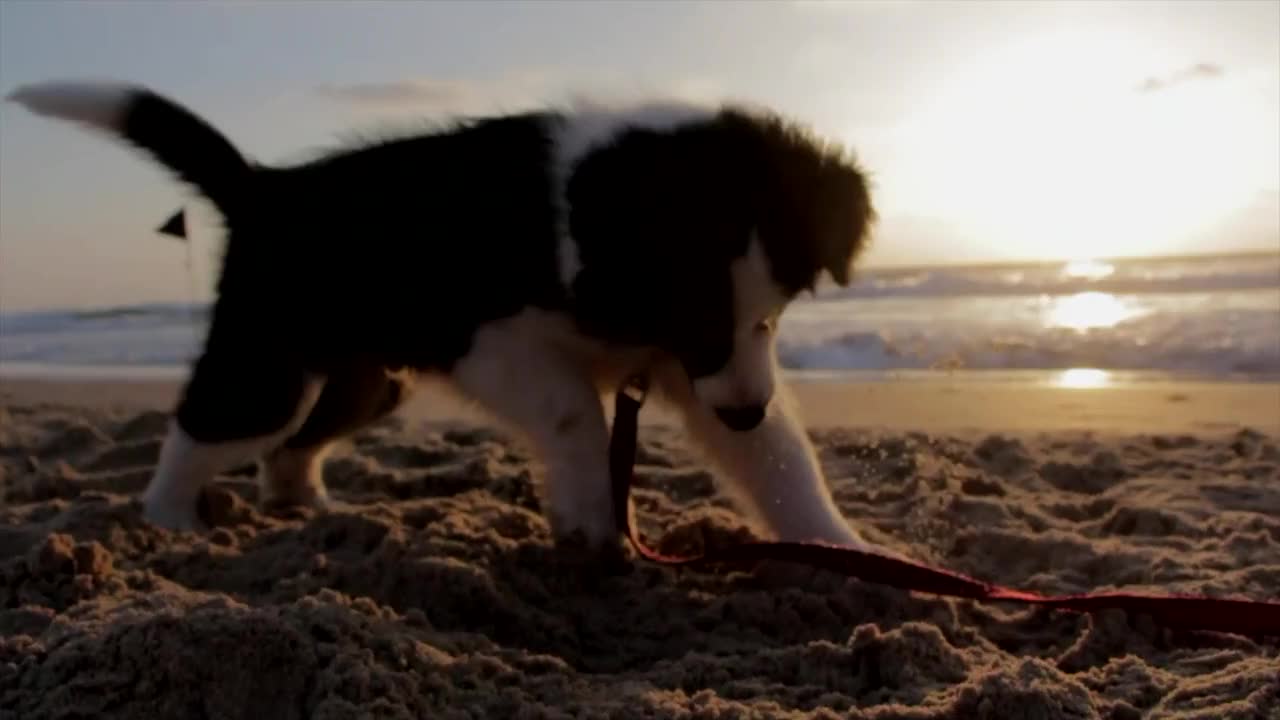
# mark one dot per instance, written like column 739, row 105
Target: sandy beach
column 431, row 588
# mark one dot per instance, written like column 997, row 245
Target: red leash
column 1184, row 612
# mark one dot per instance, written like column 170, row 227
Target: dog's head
column 696, row 237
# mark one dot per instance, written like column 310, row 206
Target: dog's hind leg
column 233, row 410
column 353, row 397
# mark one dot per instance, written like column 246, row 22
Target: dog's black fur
column 393, row 254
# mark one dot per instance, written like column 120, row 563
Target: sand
column 431, row 588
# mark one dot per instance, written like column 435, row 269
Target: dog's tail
column 173, row 135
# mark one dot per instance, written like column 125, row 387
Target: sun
column 1049, row 149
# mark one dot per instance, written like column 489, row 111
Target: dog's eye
column 766, row 326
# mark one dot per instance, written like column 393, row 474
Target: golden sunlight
column 1087, row 310
column 1043, row 150
column 1083, row 378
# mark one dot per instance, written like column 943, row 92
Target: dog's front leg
column 773, row 470
column 552, row 401
column 574, row 445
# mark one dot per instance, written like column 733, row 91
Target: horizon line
column 1230, row 254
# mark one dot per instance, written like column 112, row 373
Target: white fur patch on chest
column 586, row 127
column 513, row 343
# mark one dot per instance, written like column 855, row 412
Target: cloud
column 413, row 92
column 1199, row 71
column 528, row 87
column 444, row 95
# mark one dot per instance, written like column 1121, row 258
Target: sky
column 1000, row 131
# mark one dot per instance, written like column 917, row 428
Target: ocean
column 1206, row 318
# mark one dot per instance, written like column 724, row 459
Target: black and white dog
column 534, row 261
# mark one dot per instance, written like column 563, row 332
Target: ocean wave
column 108, row 319
column 141, row 335
column 1224, row 344
column 875, row 351
column 1209, row 316
column 1237, row 333
column 1208, row 275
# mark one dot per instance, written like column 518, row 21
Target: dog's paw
column 588, row 530
column 295, row 508
column 170, row 515
column 594, row 546
column 292, row 479
column 307, row 497
column 606, row 556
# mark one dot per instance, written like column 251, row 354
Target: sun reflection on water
column 1083, row 378
column 1088, row 310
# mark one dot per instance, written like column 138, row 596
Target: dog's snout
column 741, row 417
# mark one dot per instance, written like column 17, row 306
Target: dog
column 533, row 261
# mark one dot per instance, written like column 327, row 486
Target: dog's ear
column 845, row 217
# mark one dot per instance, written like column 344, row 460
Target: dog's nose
column 741, row 417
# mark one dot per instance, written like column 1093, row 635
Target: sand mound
column 432, row 590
